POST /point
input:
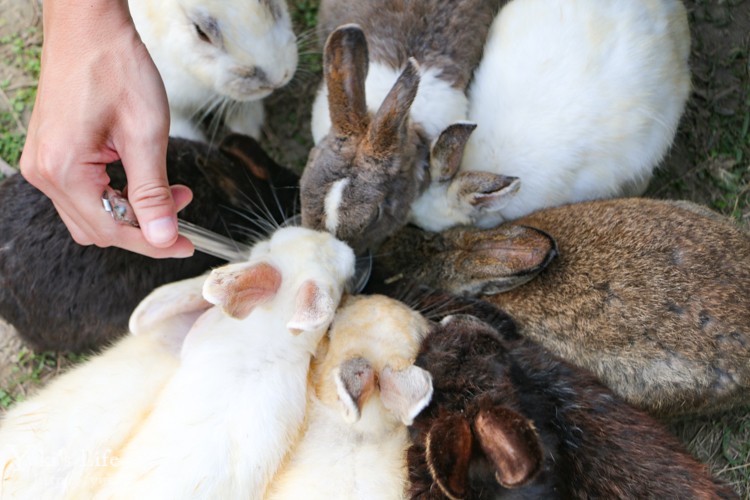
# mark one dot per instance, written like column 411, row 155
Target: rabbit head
column 474, row 438
column 362, row 177
column 242, row 51
column 366, row 369
column 312, row 266
column 464, row 260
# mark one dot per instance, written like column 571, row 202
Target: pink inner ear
column 250, row 288
column 314, row 308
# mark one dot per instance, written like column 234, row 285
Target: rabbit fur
column 223, row 423
column 395, row 78
column 650, row 295
column 578, row 99
column 365, row 391
column 217, row 57
column 65, row 297
column 510, row 420
column 66, row 435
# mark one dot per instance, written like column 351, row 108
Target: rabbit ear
column 511, row 444
column 239, row 288
column 448, row 150
column 448, row 449
column 386, row 132
column 314, row 308
column 249, row 153
column 345, row 66
column 483, row 191
column 405, row 392
column 355, row 381
column 168, row 301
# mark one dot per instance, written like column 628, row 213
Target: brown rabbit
column 510, row 420
column 650, row 295
column 63, row 296
column 394, row 94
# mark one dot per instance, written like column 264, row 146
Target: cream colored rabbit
column 365, row 391
column 69, row 433
column 226, row 419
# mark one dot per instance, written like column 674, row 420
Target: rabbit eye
column 201, row 34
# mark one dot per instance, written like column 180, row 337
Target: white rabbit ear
column 448, row 151
column 313, row 309
column 355, row 381
column 239, row 288
column 387, row 131
column 405, row 392
column 483, row 191
column 166, row 302
column 345, row 67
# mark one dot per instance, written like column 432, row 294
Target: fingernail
column 161, row 231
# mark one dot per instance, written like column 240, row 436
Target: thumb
column 150, row 195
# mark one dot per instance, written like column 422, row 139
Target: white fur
column 228, row 416
column 580, row 99
column 201, row 76
column 68, row 434
column 333, row 202
column 436, row 105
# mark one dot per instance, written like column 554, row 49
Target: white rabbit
column 226, row 419
column 69, row 433
column 366, row 390
column 217, row 57
column 579, row 99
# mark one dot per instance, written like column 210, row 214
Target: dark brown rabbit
column 390, row 113
column 66, row 297
column 510, row 420
column 651, row 296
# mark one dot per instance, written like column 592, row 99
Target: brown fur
column 510, row 420
column 451, row 39
column 652, row 296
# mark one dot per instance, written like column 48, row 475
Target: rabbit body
column 217, row 57
column 355, row 441
column 510, row 420
column 68, row 434
column 62, row 296
column 578, row 99
column 225, row 421
column 650, row 295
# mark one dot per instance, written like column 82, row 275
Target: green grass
column 20, row 52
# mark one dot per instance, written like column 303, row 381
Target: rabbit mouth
column 249, row 94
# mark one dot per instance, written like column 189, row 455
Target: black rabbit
column 66, row 297
column 510, row 420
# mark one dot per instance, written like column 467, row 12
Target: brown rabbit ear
column 448, row 151
column 249, row 153
column 239, row 288
column 355, row 381
column 483, row 191
column 448, row 449
column 511, row 444
column 313, row 309
column 345, row 66
column 405, row 392
column 386, row 132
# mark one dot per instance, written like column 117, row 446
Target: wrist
column 85, row 20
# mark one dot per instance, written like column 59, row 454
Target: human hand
column 100, row 99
